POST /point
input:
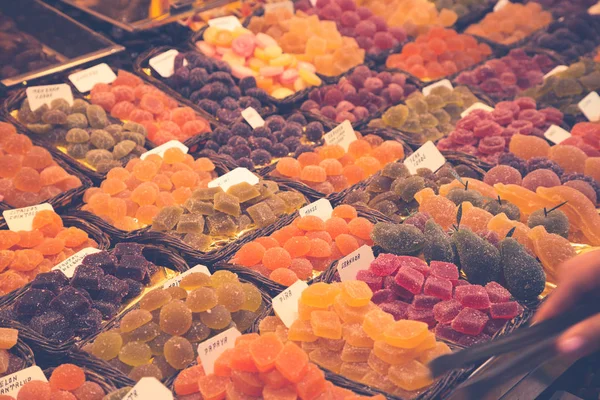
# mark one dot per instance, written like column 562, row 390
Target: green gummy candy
column 479, row 259
column 524, row 275
column 555, row 221
column 408, row 187
column 438, row 246
column 402, row 240
column 508, row 208
column 460, row 195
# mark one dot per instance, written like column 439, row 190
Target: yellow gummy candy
column 319, row 295
column 273, row 52
column 310, row 78
column 224, row 38
column 281, row 61
column 406, row 334
column 233, row 59
column 282, row 93
column 210, row 35
column 256, row 63
column 260, row 54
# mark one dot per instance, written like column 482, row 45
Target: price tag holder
column 229, row 23
column 556, row 134
column 288, row 5
column 10, row 385
column 40, row 95
column 476, row 106
column 444, row 82
column 427, row 156
column 234, row 177
column 556, row 70
column 160, row 150
column 343, row 134
column 21, row 219
column 253, row 118
column 358, row 260
column 211, row 349
column 285, row 304
column 177, row 280
column 321, row 208
column 500, row 5
column 85, row 80
column 590, row 106
column 149, row 388
column 69, row 266
column 164, row 63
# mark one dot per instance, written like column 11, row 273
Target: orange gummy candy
column 187, row 380
column 528, row 146
column 552, row 250
column 48, row 222
column 265, row 350
column 292, row 362
column 442, row 210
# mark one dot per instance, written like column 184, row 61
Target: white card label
column 211, row 349
column 69, row 266
column 556, row 70
column 234, row 177
column 427, row 156
column 160, row 150
column 40, row 95
column 285, row 304
column 444, row 82
column 253, row 118
column 343, row 134
column 358, row 260
column 228, row 23
column 590, row 107
column 313, row 3
column 500, row 5
column 476, row 106
column 149, row 388
column 164, row 63
column 21, row 219
column 85, row 80
column 10, row 385
column 321, row 208
column 556, row 134
column 281, row 4
column 177, row 280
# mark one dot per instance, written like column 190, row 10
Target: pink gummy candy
column 445, row 331
column 271, row 71
column 289, row 76
column 470, row 321
column 244, row 45
column 383, row 296
column 239, row 71
column 424, row 302
column 389, row 282
column 206, row 48
column 397, row 308
column 474, row 296
column 263, row 40
column 410, row 279
column 446, row 311
column 506, row 310
column 373, row 281
column 385, row 264
column 415, row 263
column 438, row 287
column 421, row 315
column 444, row 270
column 493, row 326
column 497, row 293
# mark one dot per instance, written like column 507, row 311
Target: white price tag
column 285, row 304
column 40, row 95
column 556, row 134
column 427, row 156
column 321, row 208
column 253, row 118
column 444, row 82
column 160, row 150
column 476, row 106
column 343, row 134
column 228, row 23
column 281, row 4
column 149, row 388
column 500, row 5
column 234, row 177
column 358, row 260
column 177, row 280
column 21, row 219
column 85, row 80
column 590, row 107
column 69, row 266
column 164, row 63
column 211, row 349
column 10, row 385
column 313, row 3
column 556, row 70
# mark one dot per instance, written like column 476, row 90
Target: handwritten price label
column 69, row 266
column 85, row 80
column 321, row 208
column 285, row 304
column 343, row 134
column 443, row 83
column 234, row 177
column 164, row 63
column 10, row 385
column 556, row 134
column 211, row 349
column 427, row 156
column 21, row 219
column 149, row 388
column 590, row 106
column 354, row 262
column 40, row 95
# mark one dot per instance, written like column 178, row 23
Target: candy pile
column 370, row 31
column 343, row 331
column 279, row 137
column 408, row 288
column 439, row 53
column 428, row 117
column 60, row 308
column 357, row 96
column 307, row 246
column 566, row 8
column 311, row 40
column 487, row 135
column 462, row 7
column 129, row 198
column 265, row 366
column 511, row 23
column 161, row 336
column 572, row 38
column 586, row 136
column 9, row 362
column 330, row 169
column 504, row 77
column 129, row 98
column 68, row 381
column 279, row 74
column 28, row 174
column 209, row 84
column 25, row 254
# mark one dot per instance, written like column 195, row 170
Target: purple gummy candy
column 414, row 263
column 87, row 277
column 52, row 280
column 410, row 279
column 70, row 302
column 470, row 321
column 385, row 265
column 107, row 309
column 135, row 288
column 468, row 340
column 49, row 324
column 474, row 296
column 493, row 326
column 33, row 302
column 507, row 310
column 497, row 293
column 88, row 323
column 383, row 296
column 446, row 311
column 389, row 282
column 373, row 281
column 438, row 287
column 421, row 315
column 122, row 249
column 397, row 308
column 444, row 270
column 112, row 289
column 445, row 331
column 424, row 302
column 132, row 266
column 103, row 260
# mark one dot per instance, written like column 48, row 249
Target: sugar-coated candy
column 479, row 259
column 524, row 275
